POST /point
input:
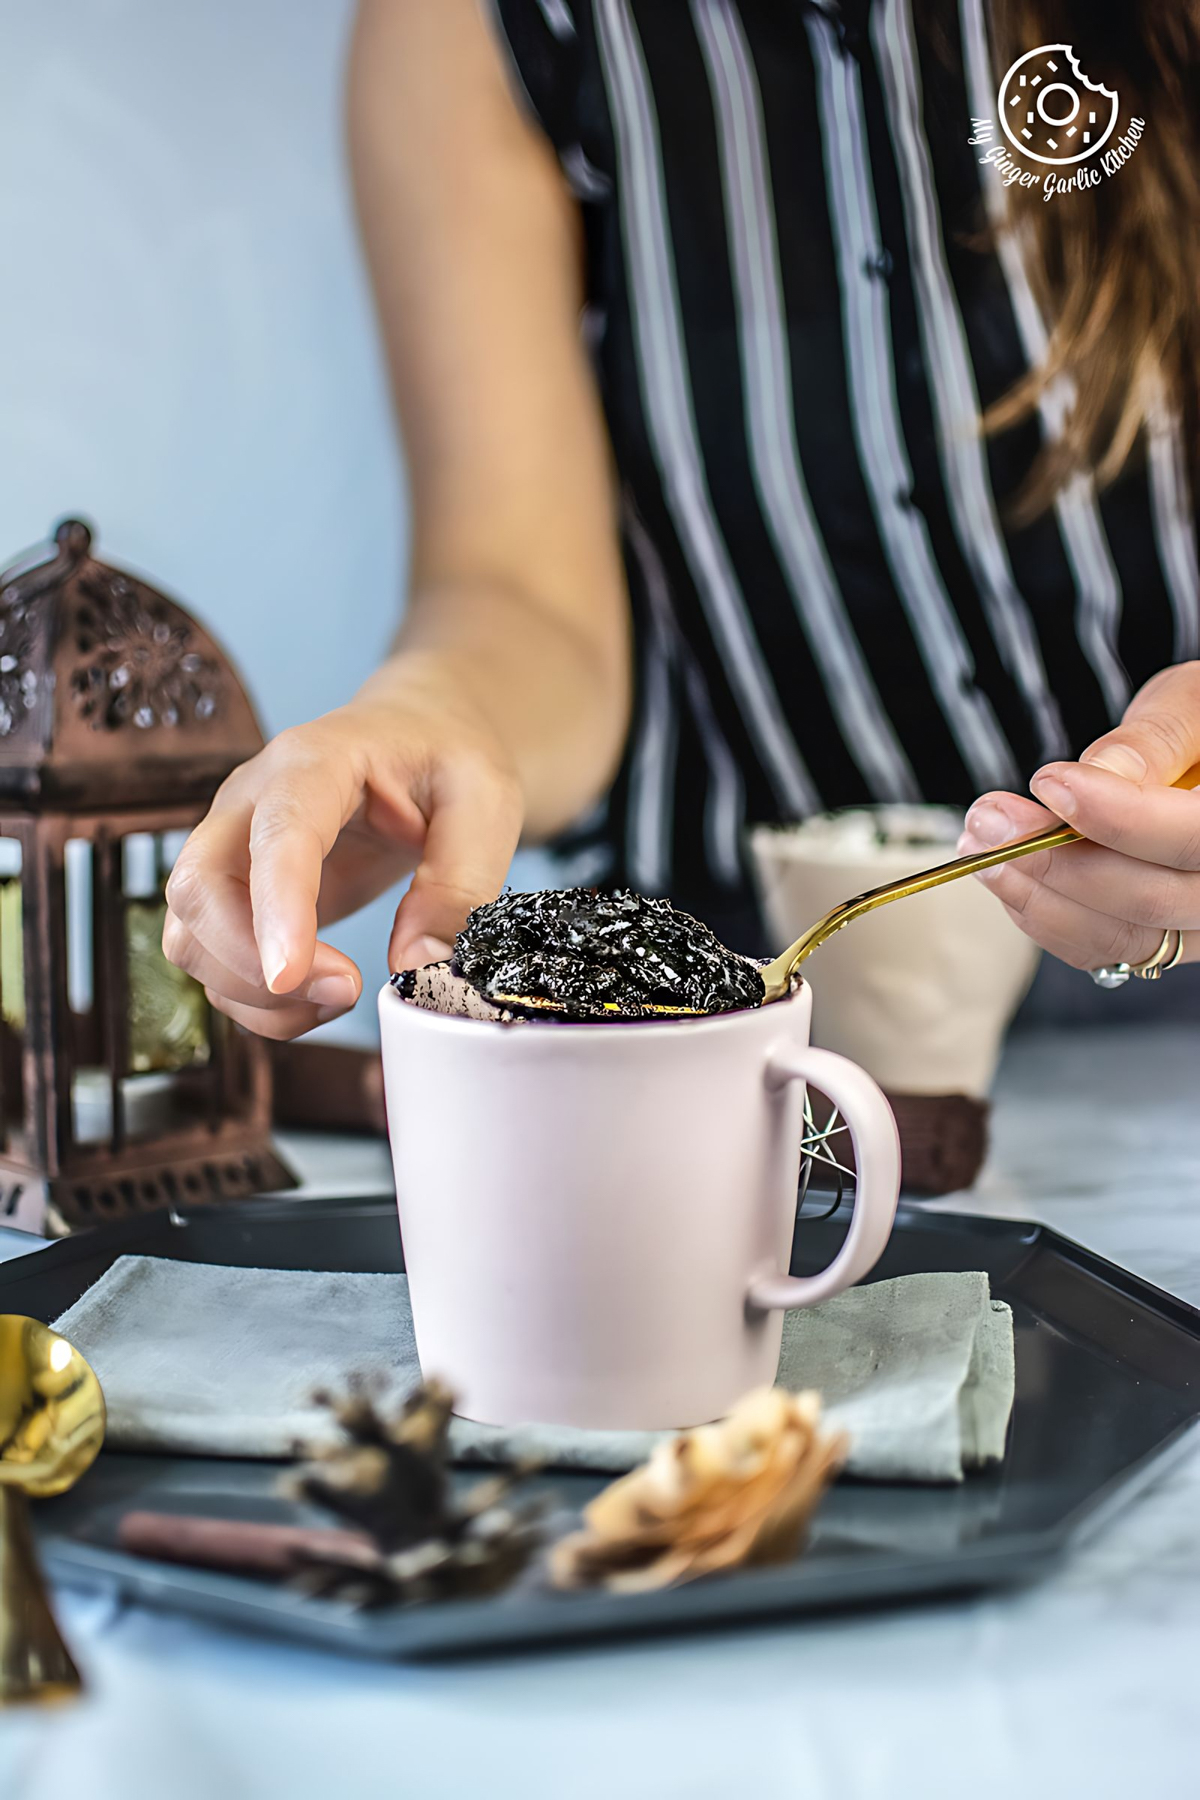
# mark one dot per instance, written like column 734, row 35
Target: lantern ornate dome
column 110, row 693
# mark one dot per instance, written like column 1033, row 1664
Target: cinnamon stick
column 241, row 1546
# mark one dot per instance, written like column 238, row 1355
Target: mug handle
column 877, row 1186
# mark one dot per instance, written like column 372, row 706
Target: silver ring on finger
column 1111, row 975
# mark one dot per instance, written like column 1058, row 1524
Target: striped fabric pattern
column 794, row 330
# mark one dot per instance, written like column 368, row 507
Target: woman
column 738, row 549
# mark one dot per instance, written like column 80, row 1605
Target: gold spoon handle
column 778, row 974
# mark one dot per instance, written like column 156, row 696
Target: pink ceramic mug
column 597, row 1219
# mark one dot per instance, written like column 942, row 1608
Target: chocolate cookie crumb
column 601, row 956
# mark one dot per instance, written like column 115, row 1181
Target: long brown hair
column 1117, row 265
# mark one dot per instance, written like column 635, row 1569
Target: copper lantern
column 120, row 1089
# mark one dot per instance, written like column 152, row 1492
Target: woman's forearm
column 519, row 620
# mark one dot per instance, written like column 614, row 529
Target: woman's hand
column 325, row 818
column 1111, row 899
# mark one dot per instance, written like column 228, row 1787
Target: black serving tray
column 1108, row 1387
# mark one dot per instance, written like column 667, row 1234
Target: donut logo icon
column 1050, row 111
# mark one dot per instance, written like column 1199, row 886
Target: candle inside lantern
column 12, row 949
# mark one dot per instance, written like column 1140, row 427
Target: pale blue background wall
column 187, row 354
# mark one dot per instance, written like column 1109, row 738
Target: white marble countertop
column 1085, row 1685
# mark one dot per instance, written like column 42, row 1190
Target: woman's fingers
column 306, row 798
column 338, row 807
column 210, row 930
column 1077, row 934
column 1158, row 740
column 1155, row 824
column 1103, row 880
column 208, row 892
column 1121, row 792
column 1138, row 874
column 333, row 984
column 283, row 1022
column 474, row 826
column 995, row 818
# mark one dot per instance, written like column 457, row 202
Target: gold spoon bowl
column 51, row 1429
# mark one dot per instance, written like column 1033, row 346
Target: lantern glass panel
column 12, row 946
column 168, row 1013
column 12, row 995
column 81, row 929
column 91, row 1092
column 162, row 1045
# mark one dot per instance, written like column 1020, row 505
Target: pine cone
column 388, row 1478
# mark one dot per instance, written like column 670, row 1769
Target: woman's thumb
column 1158, row 740
column 474, row 829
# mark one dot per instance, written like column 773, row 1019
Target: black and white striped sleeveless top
column 794, row 331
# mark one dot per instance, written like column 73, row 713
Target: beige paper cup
column 920, row 993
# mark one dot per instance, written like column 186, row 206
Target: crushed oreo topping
column 601, row 956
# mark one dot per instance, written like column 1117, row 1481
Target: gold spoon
column 51, row 1429
column 777, row 976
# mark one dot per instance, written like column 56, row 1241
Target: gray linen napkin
column 209, row 1360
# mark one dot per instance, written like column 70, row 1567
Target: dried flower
column 737, row 1492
